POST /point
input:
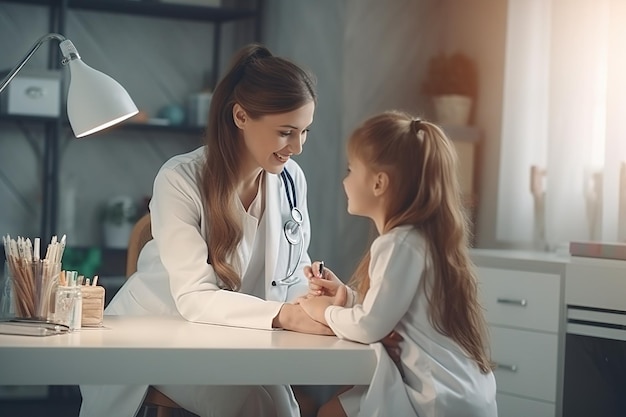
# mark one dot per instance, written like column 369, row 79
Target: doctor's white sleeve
column 395, row 271
column 177, row 211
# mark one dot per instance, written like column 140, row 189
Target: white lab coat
column 440, row 379
column 174, row 278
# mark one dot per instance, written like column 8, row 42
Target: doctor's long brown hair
column 422, row 167
column 261, row 84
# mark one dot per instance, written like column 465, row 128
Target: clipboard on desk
column 29, row 327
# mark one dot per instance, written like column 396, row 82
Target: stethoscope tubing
column 288, row 181
column 292, row 228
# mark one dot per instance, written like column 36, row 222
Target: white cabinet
column 522, row 294
column 527, row 362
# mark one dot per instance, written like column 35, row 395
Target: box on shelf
column 604, row 250
column 33, row 93
column 198, row 109
column 207, row 3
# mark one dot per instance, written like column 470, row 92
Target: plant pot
column 116, row 236
column 452, row 109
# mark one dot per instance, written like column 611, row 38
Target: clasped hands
column 324, row 291
column 328, row 290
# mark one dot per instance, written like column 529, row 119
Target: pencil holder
column 33, row 286
column 93, row 305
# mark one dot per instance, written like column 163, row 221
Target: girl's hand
column 293, row 317
column 315, row 307
column 321, row 285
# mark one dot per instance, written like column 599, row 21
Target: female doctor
column 231, row 233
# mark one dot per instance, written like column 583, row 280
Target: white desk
column 165, row 350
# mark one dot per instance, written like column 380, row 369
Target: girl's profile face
column 272, row 139
column 359, row 187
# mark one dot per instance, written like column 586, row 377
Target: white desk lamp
column 95, row 101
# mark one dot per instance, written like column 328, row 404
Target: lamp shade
column 95, row 101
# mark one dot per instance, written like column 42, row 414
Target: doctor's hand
column 321, row 285
column 293, row 317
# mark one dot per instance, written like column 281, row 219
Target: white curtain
column 564, row 123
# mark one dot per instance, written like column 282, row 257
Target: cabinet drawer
column 598, row 285
column 522, row 299
column 511, row 406
column 527, row 362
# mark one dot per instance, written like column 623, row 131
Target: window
column 563, row 149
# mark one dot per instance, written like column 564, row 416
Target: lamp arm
column 36, row 46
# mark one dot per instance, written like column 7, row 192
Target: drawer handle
column 511, row 368
column 521, row 302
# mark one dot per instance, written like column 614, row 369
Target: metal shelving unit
column 65, row 400
column 54, row 127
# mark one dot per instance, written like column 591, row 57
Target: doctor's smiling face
column 270, row 140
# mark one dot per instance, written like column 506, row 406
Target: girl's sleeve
column 352, row 297
column 176, row 210
column 395, row 271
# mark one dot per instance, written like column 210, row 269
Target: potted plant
column 452, row 82
column 118, row 216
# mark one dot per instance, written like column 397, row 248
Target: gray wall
column 311, row 34
column 478, row 27
column 368, row 56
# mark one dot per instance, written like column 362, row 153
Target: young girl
column 417, row 279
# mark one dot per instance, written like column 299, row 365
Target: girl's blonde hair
column 261, row 84
column 424, row 192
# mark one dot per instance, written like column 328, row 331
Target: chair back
column 139, row 236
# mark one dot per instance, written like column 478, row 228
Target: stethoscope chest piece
column 292, row 230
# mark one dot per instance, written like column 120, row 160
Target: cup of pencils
column 34, row 280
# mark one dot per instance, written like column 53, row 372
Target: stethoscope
column 292, row 228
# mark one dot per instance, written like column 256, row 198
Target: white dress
column 440, row 379
column 174, row 278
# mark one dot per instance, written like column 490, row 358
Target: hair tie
column 256, row 53
column 416, row 125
